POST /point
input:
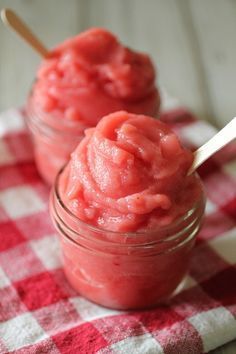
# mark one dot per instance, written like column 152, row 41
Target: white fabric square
column 225, row 246
column 216, row 327
column 20, row 201
column 89, row 311
column 5, row 155
column 10, row 121
column 47, row 249
column 20, row 331
column 198, row 133
column 210, row 207
column 225, row 189
column 4, row 281
column 138, row 345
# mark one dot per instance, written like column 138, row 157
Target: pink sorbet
column 92, row 75
column 128, row 174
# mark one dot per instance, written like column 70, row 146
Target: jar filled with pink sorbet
column 81, row 80
column 120, row 270
column 127, row 212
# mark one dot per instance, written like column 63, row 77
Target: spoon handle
column 10, row 19
column 222, row 138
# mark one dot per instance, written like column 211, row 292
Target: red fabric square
column 10, row 176
column 39, row 290
column 60, row 278
column 20, row 145
column 192, row 301
column 226, row 154
column 10, row 304
column 230, row 208
column 57, row 317
column 158, row 318
column 81, row 339
column 28, row 172
column 222, row 286
column 36, row 225
column 205, row 262
column 181, row 335
column 10, row 236
column 209, row 167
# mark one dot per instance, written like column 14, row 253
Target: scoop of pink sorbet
column 92, row 75
column 128, row 174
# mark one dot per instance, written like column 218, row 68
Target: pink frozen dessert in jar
column 81, row 80
column 127, row 212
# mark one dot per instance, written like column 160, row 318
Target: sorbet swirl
column 128, row 174
column 91, row 75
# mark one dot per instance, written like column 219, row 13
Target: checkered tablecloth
column 41, row 313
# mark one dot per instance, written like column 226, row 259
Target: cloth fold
column 41, row 313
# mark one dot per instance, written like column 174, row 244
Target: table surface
column 192, row 46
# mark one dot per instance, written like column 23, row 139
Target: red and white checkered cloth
column 40, row 313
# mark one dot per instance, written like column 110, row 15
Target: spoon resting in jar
column 217, row 142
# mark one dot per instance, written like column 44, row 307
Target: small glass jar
column 125, row 270
column 53, row 139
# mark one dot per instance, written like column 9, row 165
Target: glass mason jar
column 53, row 138
column 125, row 270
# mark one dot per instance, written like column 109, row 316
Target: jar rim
column 133, row 234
